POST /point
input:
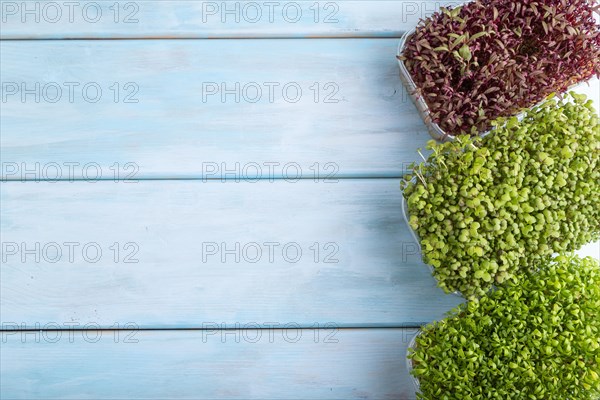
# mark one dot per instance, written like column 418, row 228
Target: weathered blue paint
column 352, row 112
column 173, row 134
column 349, row 258
column 111, row 19
column 268, row 364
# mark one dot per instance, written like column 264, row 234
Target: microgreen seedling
column 487, row 208
column 492, row 58
column 537, row 338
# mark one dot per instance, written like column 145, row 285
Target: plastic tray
column 409, row 365
column 415, row 236
column 433, row 128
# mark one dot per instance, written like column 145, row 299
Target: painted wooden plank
column 213, row 252
column 351, row 364
column 353, row 117
column 211, row 19
column 363, row 124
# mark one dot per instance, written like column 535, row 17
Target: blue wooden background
column 167, row 318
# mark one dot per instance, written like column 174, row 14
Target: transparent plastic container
column 433, row 128
column 415, row 236
column 409, row 365
column 406, row 216
column 411, row 87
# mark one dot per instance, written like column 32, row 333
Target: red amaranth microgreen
column 492, row 58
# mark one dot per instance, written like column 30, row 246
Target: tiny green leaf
column 465, row 52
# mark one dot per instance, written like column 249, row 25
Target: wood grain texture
column 363, row 364
column 369, row 275
column 370, row 127
column 177, row 130
column 212, row 19
column 172, row 132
